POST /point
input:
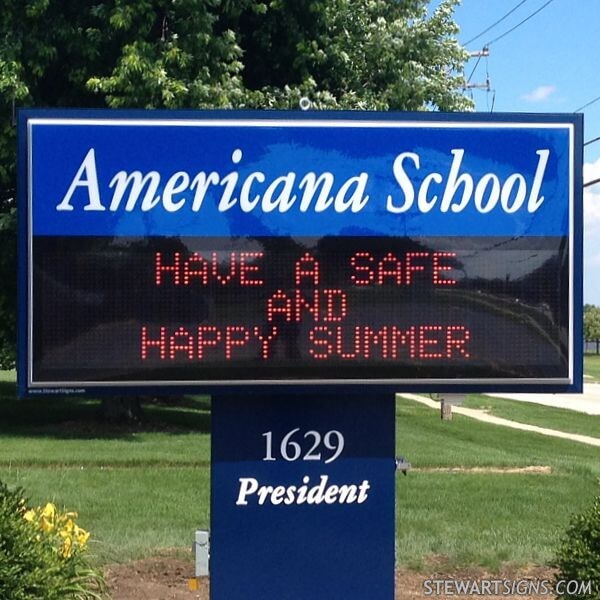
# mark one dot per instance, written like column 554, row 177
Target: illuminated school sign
column 207, row 249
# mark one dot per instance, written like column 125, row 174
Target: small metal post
column 402, row 465
column 446, row 413
column 447, row 402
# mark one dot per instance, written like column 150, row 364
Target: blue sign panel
column 233, row 177
column 302, row 498
column 201, row 249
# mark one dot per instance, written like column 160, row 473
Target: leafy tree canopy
column 351, row 54
column 342, row 54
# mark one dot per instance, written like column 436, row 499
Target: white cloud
column 591, row 194
column 591, row 171
column 539, row 94
column 591, row 234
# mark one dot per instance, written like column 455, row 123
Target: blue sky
column 550, row 63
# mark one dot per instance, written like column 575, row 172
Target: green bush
column 578, row 557
column 42, row 553
column 8, row 289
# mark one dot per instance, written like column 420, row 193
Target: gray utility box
column 202, row 552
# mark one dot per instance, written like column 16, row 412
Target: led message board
column 198, row 250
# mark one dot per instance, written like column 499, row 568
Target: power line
column 591, row 141
column 473, row 71
column 593, row 182
column 588, row 104
column 520, row 23
column 510, row 12
column 493, row 101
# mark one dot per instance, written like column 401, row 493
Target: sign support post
column 302, row 499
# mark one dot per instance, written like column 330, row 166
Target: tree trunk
column 122, row 409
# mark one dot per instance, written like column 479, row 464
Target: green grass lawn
column 532, row 414
column 591, row 367
column 485, row 518
column 137, row 489
column 141, row 490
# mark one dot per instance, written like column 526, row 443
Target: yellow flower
column 49, row 511
column 46, row 525
column 82, row 536
column 48, row 517
column 30, row 515
column 67, row 536
column 68, row 527
column 67, row 548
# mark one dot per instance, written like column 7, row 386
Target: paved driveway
column 588, row 402
column 482, row 415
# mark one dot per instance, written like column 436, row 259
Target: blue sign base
column 302, row 498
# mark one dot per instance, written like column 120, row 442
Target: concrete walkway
column 481, row 415
column 588, row 402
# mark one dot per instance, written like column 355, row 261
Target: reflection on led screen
column 209, row 309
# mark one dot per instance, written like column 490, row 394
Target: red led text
column 307, row 320
column 393, row 270
column 242, row 268
column 197, row 343
column 422, row 342
column 319, row 305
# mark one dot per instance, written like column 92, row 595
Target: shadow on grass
column 81, row 418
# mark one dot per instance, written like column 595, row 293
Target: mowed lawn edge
column 143, row 489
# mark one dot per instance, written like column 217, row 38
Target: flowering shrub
column 60, row 528
column 43, row 553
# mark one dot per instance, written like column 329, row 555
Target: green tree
column 342, row 54
column 8, row 277
column 591, row 325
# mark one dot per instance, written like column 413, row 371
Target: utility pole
column 483, row 53
column 479, row 86
column 479, row 54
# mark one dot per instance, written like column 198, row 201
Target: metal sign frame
column 32, row 120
